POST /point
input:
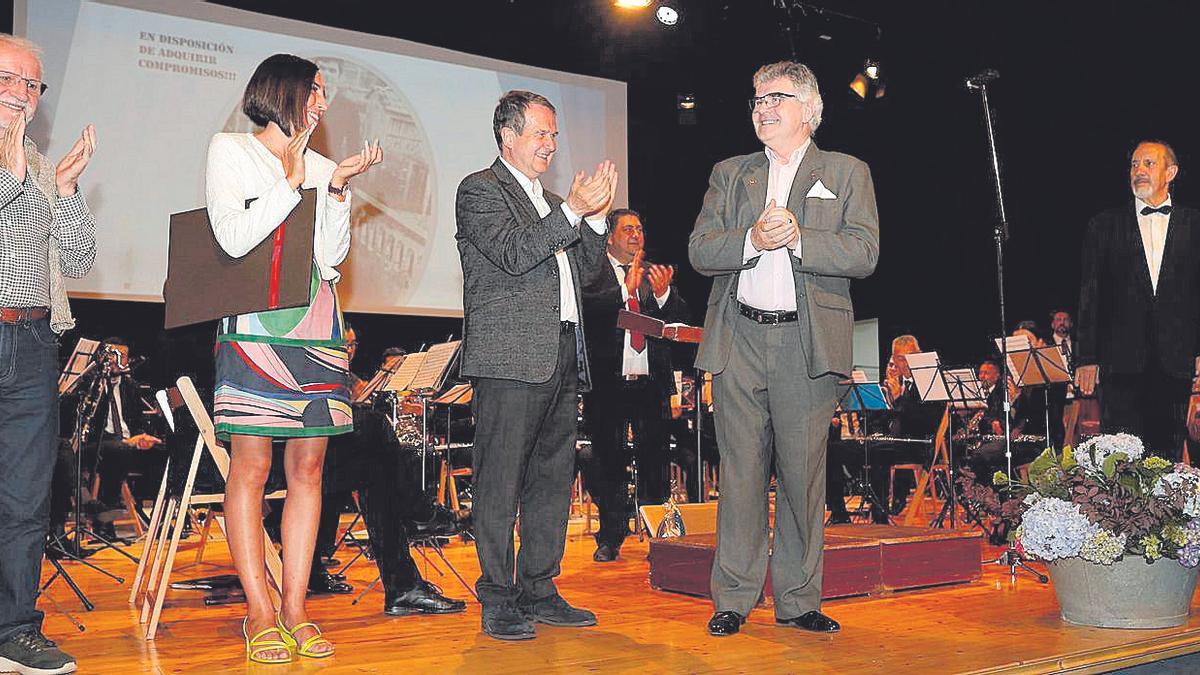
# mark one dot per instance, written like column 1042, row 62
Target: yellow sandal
column 304, row 648
column 256, row 645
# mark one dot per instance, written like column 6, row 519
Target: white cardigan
column 240, row 167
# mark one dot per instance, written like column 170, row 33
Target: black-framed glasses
column 32, row 87
column 769, row 101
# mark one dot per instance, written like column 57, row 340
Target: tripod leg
column 373, row 584
column 438, row 549
column 60, row 572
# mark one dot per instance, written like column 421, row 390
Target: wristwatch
column 338, row 192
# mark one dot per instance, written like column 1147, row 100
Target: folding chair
column 172, row 511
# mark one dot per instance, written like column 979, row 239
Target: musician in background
column 385, row 471
column 631, row 379
column 910, row 418
column 986, row 429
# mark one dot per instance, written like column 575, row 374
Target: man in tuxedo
column 1139, row 306
column 781, row 231
column 523, row 252
column 631, row 379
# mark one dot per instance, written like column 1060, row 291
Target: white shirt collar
column 530, row 186
column 1138, row 205
column 796, row 157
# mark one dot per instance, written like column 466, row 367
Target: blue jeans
column 28, row 427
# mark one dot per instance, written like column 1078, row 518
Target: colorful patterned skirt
column 283, row 373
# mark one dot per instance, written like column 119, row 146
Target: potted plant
column 1119, row 531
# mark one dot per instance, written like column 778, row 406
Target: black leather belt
column 566, row 326
column 766, row 317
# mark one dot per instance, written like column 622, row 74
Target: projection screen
column 159, row 78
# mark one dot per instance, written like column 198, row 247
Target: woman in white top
column 280, row 373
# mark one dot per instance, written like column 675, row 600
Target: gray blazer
column 839, row 241
column 510, row 277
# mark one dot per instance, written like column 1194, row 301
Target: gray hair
column 24, row 44
column 510, row 111
column 802, row 77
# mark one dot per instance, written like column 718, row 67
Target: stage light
column 632, row 4
column 686, row 101
column 868, row 83
column 666, row 14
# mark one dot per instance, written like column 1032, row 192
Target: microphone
column 982, row 78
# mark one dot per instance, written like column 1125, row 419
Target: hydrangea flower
column 1152, row 545
column 1053, row 528
column 1091, row 453
column 1189, row 553
column 1104, row 548
column 1186, row 481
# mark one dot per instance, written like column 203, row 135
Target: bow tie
column 1165, row 209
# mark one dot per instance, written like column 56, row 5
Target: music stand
column 966, row 396
column 426, row 382
column 861, row 396
column 1033, row 366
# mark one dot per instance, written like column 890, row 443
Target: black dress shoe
column 503, row 622
column 424, row 598
column 839, row 518
column 813, row 621
column 606, row 553
column 725, row 623
column 321, row 583
column 556, row 611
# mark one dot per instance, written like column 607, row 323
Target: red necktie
column 636, row 340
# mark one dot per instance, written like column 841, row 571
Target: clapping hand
column 593, row 195
column 66, row 174
column 12, row 148
column 355, row 165
column 660, row 278
column 633, row 276
column 293, row 157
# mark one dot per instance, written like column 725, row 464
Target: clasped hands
column 660, row 276
column 776, row 227
column 593, row 195
column 142, row 441
column 66, row 174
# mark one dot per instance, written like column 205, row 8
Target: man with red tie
column 631, row 380
column 1139, row 306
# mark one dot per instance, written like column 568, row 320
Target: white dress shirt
column 632, row 361
column 1153, row 229
column 771, row 284
column 568, row 307
column 1063, row 342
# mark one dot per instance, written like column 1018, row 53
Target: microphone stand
column 1011, row 558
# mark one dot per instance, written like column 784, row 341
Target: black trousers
column 608, row 410
column 1151, row 405
column 524, row 460
column 387, row 477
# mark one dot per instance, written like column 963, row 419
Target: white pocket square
column 819, row 191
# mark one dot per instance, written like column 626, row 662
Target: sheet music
column 459, row 394
column 386, row 370
column 1032, row 366
column 434, row 367
column 80, row 358
column 402, row 380
column 965, row 389
column 925, row 368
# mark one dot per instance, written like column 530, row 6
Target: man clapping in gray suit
column 523, row 254
column 781, row 232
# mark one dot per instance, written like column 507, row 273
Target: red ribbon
column 276, row 266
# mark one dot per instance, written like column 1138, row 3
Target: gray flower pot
column 1130, row 593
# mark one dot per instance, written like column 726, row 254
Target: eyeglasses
column 32, row 87
column 769, row 101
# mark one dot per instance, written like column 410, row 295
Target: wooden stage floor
column 987, row 626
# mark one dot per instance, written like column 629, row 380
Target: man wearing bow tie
column 781, row 231
column 1139, row 306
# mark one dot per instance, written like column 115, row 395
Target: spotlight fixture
column 667, row 14
column 868, row 84
column 632, row 4
column 686, row 101
column 686, row 109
